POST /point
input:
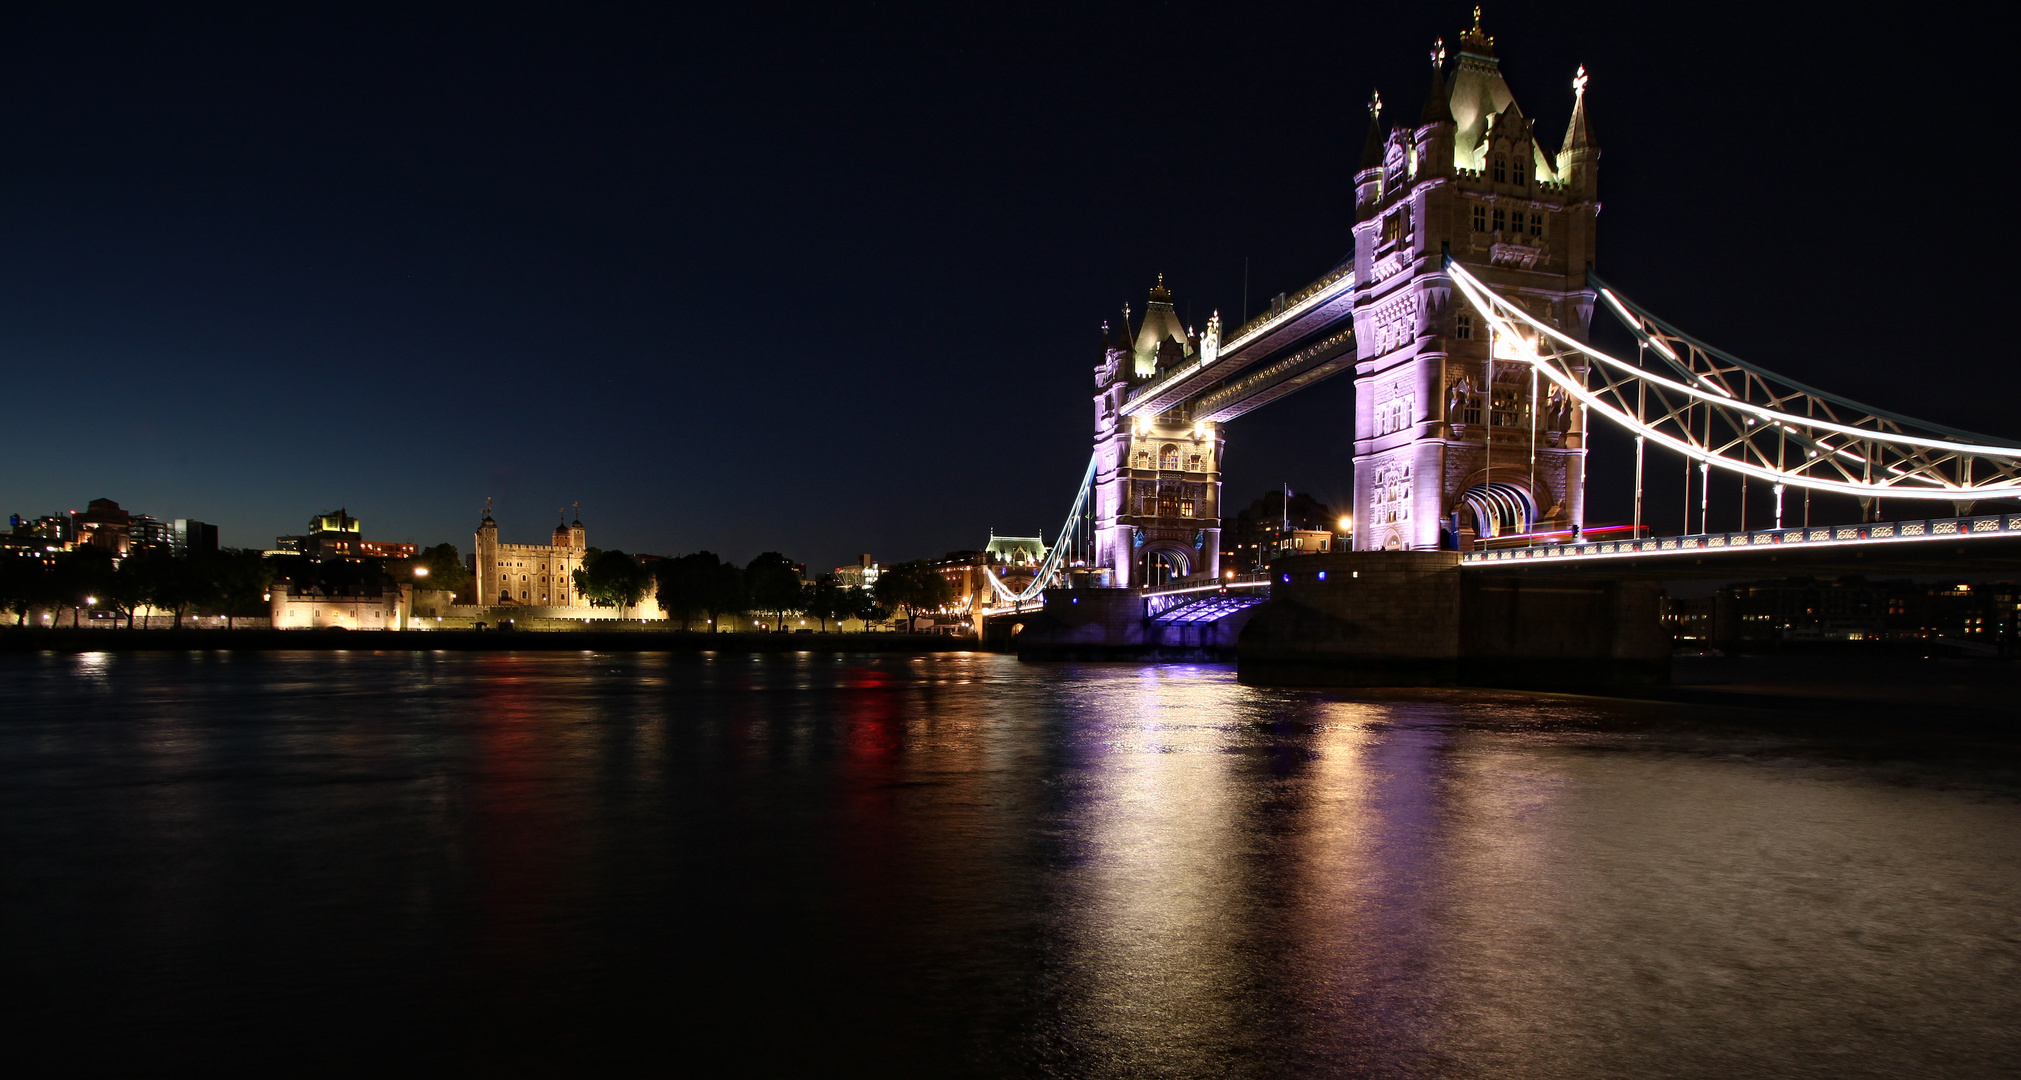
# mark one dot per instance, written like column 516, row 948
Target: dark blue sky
column 827, row 279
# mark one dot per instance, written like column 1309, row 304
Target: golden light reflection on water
column 1095, row 870
column 1160, row 889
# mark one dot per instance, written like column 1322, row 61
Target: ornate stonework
column 1433, row 394
column 529, row 575
column 1157, row 485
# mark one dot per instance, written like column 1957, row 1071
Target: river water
column 959, row 865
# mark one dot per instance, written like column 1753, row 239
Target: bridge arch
column 1166, row 561
column 1497, row 509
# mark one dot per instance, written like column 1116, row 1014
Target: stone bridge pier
column 1414, row 618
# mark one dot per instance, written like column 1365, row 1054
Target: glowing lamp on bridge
column 1516, row 347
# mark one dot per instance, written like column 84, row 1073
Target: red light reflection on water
column 872, row 829
column 521, row 827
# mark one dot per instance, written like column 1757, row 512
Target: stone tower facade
column 1451, row 443
column 530, row 575
column 1157, row 483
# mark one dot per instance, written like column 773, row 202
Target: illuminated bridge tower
column 1157, row 483
column 1450, row 441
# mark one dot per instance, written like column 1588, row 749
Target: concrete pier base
column 1413, row 618
column 1111, row 624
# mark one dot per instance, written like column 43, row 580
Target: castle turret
column 1579, row 157
column 485, row 559
column 1368, row 179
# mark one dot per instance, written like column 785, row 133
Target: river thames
column 955, row 864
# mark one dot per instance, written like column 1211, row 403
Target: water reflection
column 961, row 865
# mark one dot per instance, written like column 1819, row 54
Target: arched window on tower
column 1193, row 463
column 1143, row 459
column 1516, row 170
column 1168, row 457
column 1463, row 326
column 1501, row 169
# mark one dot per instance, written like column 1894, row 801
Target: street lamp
column 420, row 571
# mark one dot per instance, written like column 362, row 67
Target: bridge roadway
column 1976, row 544
column 1308, row 338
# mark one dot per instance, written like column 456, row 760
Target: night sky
column 827, row 280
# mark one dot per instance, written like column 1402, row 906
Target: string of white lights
column 1904, row 461
column 1058, row 553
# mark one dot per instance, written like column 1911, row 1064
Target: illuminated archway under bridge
column 1166, row 563
column 1726, row 413
column 1499, row 509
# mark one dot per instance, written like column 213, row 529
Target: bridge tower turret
column 1451, row 440
column 1157, row 482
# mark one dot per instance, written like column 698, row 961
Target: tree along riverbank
column 90, row 639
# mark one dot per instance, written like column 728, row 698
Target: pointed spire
column 1579, row 133
column 1371, row 147
column 1438, row 103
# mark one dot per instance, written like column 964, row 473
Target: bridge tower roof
column 1161, row 324
column 1478, row 90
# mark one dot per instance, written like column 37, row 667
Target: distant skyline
column 828, row 281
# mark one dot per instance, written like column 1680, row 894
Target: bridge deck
column 1319, row 305
column 1976, row 544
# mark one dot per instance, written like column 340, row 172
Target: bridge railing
column 1251, row 580
column 1878, row 532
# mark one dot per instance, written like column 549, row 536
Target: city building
column 386, row 549
column 1799, row 610
column 371, row 605
column 102, row 524
column 194, row 537
column 1015, row 551
column 863, row 575
column 330, row 536
column 144, row 533
column 1273, row 526
column 529, row 575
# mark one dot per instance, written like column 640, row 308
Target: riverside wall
column 1381, row 618
column 1110, row 624
column 88, row 639
column 1413, row 618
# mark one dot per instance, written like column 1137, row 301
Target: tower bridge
column 1464, row 309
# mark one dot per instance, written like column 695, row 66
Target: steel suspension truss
column 1729, row 414
column 1070, row 534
